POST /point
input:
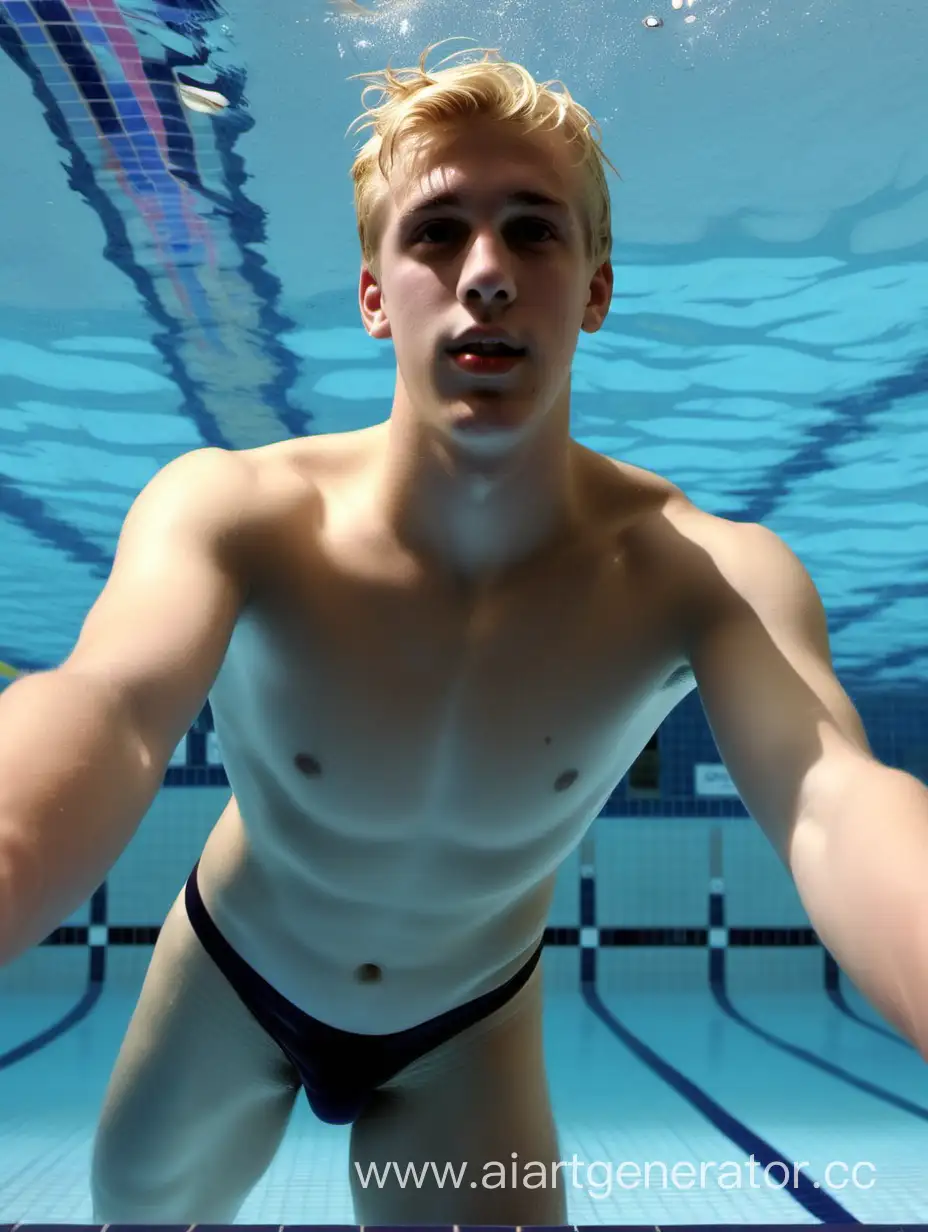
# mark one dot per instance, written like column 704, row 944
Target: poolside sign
column 713, row 780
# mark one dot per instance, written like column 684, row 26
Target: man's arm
column 852, row 831
column 84, row 748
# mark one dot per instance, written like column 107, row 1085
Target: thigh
column 199, row 1098
column 479, row 1103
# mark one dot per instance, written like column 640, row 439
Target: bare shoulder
column 228, row 493
column 670, row 530
column 729, row 569
column 674, row 536
column 297, row 469
column 709, row 566
column 745, row 556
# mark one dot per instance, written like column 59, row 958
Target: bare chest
column 385, row 707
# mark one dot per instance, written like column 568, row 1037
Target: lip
column 485, row 365
column 483, row 336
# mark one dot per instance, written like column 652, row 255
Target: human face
column 485, row 234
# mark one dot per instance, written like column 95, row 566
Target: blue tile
column 65, row 32
column 248, row 1227
column 502, row 1227
column 125, row 95
column 45, row 56
column 370, row 1227
column 61, row 1227
column 52, row 10
column 155, row 1227
column 91, row 31
column 82, row 65
column 33, row 35
column 21, row 13
column 318, row 1227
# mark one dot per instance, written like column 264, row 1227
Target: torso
column 411, row 759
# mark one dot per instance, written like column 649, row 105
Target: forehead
column 484, row 164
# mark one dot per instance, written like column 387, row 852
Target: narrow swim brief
column 339, row 1070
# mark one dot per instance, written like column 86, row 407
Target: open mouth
column 487, row 348
column 486, row 357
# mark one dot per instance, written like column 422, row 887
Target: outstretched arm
column 852, row 831
column 83, row 748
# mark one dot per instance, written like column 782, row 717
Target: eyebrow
column 523, row 197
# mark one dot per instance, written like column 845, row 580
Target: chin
column 490, row 421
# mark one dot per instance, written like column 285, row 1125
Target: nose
column 486, row 276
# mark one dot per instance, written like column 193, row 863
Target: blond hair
column 416, row 101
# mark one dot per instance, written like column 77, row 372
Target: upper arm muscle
column 762, row 663
column 160, row 628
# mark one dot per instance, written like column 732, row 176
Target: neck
column 476, row 506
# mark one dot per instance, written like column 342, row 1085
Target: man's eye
column 439, row 231
column 519, row 231
column 533, row 230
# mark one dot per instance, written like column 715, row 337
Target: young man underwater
column 432, row 648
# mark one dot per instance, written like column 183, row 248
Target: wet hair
column 416, row 104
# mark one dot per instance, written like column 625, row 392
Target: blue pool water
column 173, row 278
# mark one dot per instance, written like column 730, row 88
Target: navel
column 565, row 780
column 307, row 765
column 368, row 973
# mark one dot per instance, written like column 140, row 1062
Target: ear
column 601, row 286
column 370, row 298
